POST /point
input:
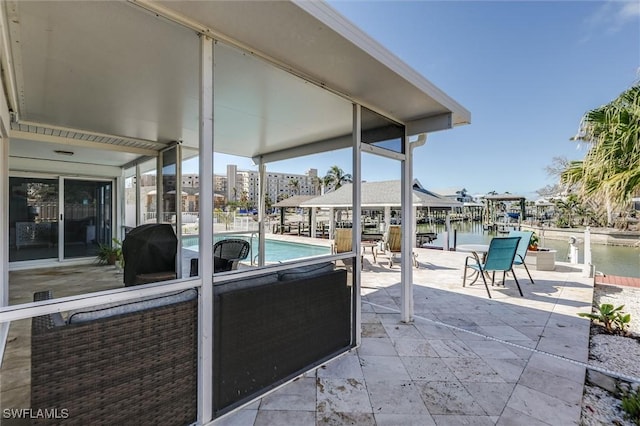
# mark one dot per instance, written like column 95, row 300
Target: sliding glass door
column 87, row 217
column 33, row 218
column 54, row 218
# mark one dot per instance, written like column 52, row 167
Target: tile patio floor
column 465, row 359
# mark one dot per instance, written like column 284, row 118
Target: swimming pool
column 275, row 250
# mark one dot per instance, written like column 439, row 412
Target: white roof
column 379, row 194
column 119, row 82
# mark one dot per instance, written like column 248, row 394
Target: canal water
column 611, row 260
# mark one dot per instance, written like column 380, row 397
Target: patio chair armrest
column 234, row 263
column 42, row 323
column 475, row 261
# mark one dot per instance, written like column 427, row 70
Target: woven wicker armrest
column 45, row 322
column 130, row 368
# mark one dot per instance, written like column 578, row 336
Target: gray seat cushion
column 241, row 284
column 119, row 308
column 309, row 271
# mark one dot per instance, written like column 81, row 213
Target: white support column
column 406, row 274
column 356, row 224
column 4, row 212
column 332, row 222
column 205, row 310
column 445, row 234
column 159, row 190
column 387, row 218
column 4, row 237
column 587, row 270
column 179, row 206
column 138, row 176
column 314, row 223
column 262, row 170
column 414, row 225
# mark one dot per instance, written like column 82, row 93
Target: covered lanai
column 102, row 99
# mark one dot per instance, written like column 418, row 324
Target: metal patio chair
column 228, row 253
column 523, row 245
column 502, row 252
column 393, row 245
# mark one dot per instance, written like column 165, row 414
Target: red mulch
column 616, row 280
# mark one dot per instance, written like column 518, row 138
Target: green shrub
column 613, row 319
column 631, row 406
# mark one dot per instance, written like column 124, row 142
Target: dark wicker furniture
column 270, row 328
column 228, row 253
column 133, row 368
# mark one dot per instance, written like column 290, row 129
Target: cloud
column 629, row 11
column 612, row 16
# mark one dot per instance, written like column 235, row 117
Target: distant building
column 244, row 184
column 457, row 194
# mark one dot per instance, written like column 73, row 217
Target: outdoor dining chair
column 227, row 254
column 393, row 244
column 523, row 245
column 343, row 243
column 500, row 257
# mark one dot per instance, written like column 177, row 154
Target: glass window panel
column 130, row 198
column 33, row 218
column 169, row 185
column 382, row 132
column 148, row 192
column 87, row 217
column 190, row 210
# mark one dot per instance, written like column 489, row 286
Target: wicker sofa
column 129, row 363
column 271, row 327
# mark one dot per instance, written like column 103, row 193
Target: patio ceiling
column 113, row 82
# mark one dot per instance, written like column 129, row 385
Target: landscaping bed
column 602, row 400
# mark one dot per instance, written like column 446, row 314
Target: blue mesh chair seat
column 502, row 252
column 523, row 246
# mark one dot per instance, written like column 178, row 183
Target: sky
column 526, row 70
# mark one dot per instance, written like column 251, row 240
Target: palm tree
column 317, row 185
column 336, row 177
column 295, row 186
column 611, row 167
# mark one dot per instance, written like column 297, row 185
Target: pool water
column 275, row 250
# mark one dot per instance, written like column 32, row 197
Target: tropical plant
column 336, row 177
column 566, row 208
column 613, row 319
column 111, row 253
column 244, row 200
column 295, row 186
column 631, row 405
column 227, row 218
column 317, row 185
column 268, row 202
column 611, row 168
column 533, row 242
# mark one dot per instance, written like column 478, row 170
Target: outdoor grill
column 149, row 253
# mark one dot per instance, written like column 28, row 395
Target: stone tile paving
column 465, row 359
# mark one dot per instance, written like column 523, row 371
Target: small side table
column 542, row 260
column 374, row 248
